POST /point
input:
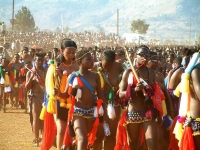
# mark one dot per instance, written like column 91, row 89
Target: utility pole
column 117, row 22
column 13, row 14
column 190, row 32
column 61, row 23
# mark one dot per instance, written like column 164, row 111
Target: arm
column 99, row 90
column 195, row 79
column 168, row 100
column 124, row 84
column 29, row 78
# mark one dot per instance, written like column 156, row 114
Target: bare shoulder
column 195, row 73
column 152, row 72
column 119, row 66
column 75, row 65
column 95, row 74
column 159, row 74
column 126, row 73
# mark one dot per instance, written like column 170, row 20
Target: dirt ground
column 15, row 130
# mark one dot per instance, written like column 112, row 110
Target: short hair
column 109, row 55
column 178, row 60
column 40, row 54
column 143, row 47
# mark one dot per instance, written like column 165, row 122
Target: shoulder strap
column 197, row 66
column 106, row 79
column 88, row 85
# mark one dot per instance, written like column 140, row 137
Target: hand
column 139, row 87
column 58, row 71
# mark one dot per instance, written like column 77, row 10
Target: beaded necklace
column 67, row 65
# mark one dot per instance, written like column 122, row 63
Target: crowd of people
column 107, row 97
column 47, row 40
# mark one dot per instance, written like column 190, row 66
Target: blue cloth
column 87, row 84
column 197, row 66
column 166, row 81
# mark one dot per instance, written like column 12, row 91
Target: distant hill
column 168, row 19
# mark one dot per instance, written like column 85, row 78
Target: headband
column 82, row 56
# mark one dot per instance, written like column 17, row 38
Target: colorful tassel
column 187, row 141
column 173, row 145
column 67, row 139
column 7, row 81
column 8, row 89
column 2, row 81
column 177, row 92
column 101, row 79
column 101, row 111
column 16, row 84
column 42, row 113
column 49, row 84
column 121, row 137
column 79, row 93
column 92, row 133
column 49, row 132
column 164, row 108
column 111, row 111
column 178, row 130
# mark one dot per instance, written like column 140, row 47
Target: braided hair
column 109, row 55
column 80, row 55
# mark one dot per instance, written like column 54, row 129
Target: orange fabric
column 63, row 88
column 121, row 136
column 49, row 133
column 80, row 83
column 173, row 145
column 92, row 133
column 187, row 141
column 71, row 110
column 67, row 139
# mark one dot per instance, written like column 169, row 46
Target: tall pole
column 117, row 22
column 13, row 14
column 61, row 23
column 190, row 32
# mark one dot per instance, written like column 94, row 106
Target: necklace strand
column 67, row 65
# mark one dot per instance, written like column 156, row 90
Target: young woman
column 35, row 84
column 83, row 111
column 187, row 128
column 15, row 67
column 140, row 111
column 110, row 71
column 159, row 78
column 67, row 66
column 3, row 96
